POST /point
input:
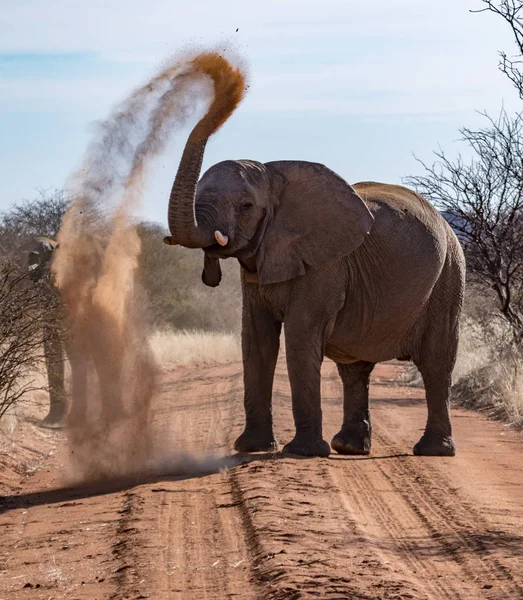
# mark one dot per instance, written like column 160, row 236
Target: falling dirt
column 114, row 375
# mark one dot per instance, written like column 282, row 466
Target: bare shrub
column 25, row 321
column 483, row 201
column 489, row 374
column 179, row 300
column 40, row 216
column 512, row 12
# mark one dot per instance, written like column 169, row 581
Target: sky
column 363, row 86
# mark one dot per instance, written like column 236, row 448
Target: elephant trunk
column 182, row 218
column 229, row 87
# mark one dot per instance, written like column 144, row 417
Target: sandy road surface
column 388, row 526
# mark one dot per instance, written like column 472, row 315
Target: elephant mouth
column 212, row 248
column 217, row 251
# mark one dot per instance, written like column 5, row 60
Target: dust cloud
column 114, row 374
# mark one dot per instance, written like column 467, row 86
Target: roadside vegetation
column 482, row 199
column 203, row 348
column 178, row 299
column 24, row 327
column 27, row 308
column 192, row 323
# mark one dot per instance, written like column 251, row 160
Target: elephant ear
column 212, row 272
column 39, row 251
column 319, row 219
column 39, row 254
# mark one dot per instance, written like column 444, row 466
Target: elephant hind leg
column 437, row 439
column 435, row 360
column 355, row 434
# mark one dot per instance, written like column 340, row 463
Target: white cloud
column 346, row 57
column 367, row 58
column 162, row 25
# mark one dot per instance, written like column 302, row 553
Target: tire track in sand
column 201, row 551
column 386, row 527
column 450, row 548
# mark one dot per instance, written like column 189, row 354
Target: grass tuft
column 174, row 348
column 488, row 375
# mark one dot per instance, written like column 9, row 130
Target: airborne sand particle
column 114, row 374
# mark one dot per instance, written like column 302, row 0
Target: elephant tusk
column 223, row 240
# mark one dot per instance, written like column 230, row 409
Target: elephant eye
column 247, row 205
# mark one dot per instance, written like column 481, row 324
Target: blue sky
column 360, row 85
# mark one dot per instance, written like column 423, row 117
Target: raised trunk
column 182, row 219
column 229, row 87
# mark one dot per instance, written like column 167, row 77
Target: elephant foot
column 307, row 446
column 54, row 420
column 52, row 423
column 353, row 439
column 431, row 444
column 254, row 441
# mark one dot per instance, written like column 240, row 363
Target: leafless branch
column 40, row 216
column 512, row 12
column 483, row 202
column 28, row 312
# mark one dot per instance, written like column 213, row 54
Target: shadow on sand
column 194, row 470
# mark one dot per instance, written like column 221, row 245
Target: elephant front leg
column 304, row 359
column 355, row 434
column 260, row 346
column 79, row 389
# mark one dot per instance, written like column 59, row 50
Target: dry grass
column 476, row 347
column 489, row 372
column 173, row 348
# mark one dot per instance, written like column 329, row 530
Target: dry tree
column 483, row 201
column 30, row 311
column 39, row 216
column 27, row 313
column 512, row 12
column 483, row 198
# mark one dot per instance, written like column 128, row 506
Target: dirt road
column 388, row 526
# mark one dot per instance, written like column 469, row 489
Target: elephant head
column 37, row 254
column 276, row 218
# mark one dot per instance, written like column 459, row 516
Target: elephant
column 61, row 341
column 359, row 274
column 37, row 255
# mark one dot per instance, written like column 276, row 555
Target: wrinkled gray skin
column 359, row 274
column 36, row 257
